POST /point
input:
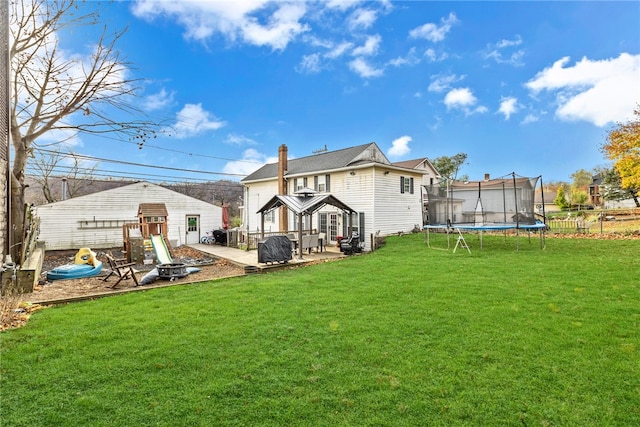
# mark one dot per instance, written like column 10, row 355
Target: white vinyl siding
column 368, row 191
column 96, row 220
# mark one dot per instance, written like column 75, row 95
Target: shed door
column 193, row 229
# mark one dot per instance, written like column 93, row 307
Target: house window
column 406, row 185
column 321, row 183
column 357, row 224
column 270, row 216
column 299, row 184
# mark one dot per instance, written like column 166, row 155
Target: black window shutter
column 315, row 182
column 345, row 225
column 411, row 185
column 295, row 184
column 327, row 187
column 361, row 226
column 402, row 185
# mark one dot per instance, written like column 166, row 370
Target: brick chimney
column 283, row 153
column 486, row 177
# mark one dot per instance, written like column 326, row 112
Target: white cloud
column 458, row 98
column 310, row 64
column 433, row 56
column 362, row 19
column 158, row 100
column 342, row 4
column 313, row 63
column 441, row 83
column 463, row 99
column 508, row 106
column 409, row 59
column 250, row 162
column 497, row 52
column 192, row 120
column 599, row 92
column 363, row 69
column 338, row 50
column 508, row 43
column 530, row 118
column 235, row 139
column 400, row 146
column 283, row 27
column 234, row 20
column 370, row 47
column 501, row 54
column 434, row 32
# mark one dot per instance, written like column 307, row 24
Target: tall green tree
column 51, row 91
column 581, row 179
column 561, row 199
column 449, row 166
column 611, row 187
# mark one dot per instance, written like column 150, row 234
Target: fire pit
column 171, row 271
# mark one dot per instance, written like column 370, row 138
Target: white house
column 386, row 197
column 96, row 220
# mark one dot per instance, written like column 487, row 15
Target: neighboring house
column 547, row 205
column 430, row 174
column 96, row 220
column 430, row 177
column 386, row 197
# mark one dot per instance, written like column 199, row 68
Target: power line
column 122, row 162
column 63, row 172
column 149, row 145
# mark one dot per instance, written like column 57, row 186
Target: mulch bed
column 15, row 310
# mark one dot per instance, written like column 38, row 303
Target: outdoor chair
column 122, row 269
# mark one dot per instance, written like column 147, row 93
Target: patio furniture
column 122, row 269
column 309, row 242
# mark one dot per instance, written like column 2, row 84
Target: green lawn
column 405, row 336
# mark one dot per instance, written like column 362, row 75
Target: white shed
column 96, row 220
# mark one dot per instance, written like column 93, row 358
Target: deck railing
column 252, row 238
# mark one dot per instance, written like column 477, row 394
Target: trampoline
column 490, row 205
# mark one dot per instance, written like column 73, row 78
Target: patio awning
column 305, row 205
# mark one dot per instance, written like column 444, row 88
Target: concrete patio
column 249, row 259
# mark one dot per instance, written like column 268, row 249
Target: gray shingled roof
column 361, row 154
column 304, row 205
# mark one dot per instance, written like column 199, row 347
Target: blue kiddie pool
column 85, row 265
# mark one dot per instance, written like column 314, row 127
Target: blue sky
column 525, row 87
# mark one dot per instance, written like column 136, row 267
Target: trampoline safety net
column 504, row 201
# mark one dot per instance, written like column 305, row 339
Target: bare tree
column 53, row 92
column 51, row 166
